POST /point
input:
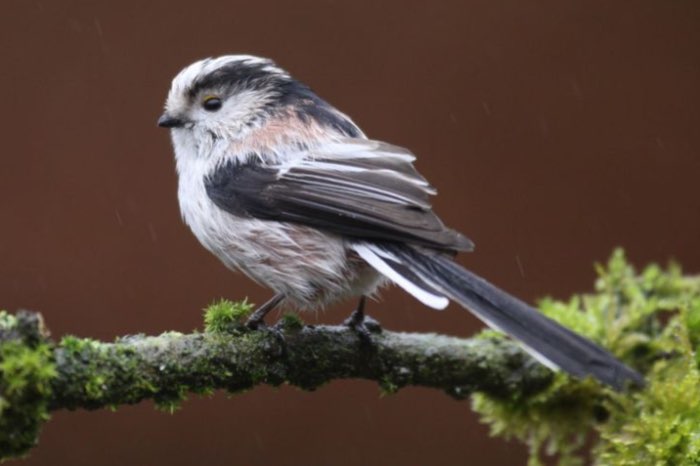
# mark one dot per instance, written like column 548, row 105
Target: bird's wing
column 367, row 190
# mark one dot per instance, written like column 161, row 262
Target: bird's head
column 223, row 96
column 217, row 101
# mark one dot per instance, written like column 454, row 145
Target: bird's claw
column 255, row 324
column 363, row 325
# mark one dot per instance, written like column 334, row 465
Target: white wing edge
column 372, row 255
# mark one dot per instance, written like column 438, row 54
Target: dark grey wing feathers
column 359, row 190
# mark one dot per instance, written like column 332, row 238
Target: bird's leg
column 362, row 324
column 256, row 318
column 358, row 315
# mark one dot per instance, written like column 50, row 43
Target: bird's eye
column 211, row 104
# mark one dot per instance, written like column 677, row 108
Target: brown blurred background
column 554, row 131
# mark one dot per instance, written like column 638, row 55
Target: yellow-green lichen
column 660, row 425
column 26, row 372
column 94, row 381
column 291, row 321
column 652, row 321
column 226, row 316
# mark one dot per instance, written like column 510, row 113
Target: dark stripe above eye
column 243, row 74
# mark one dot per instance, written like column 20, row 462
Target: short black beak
column 167, row 121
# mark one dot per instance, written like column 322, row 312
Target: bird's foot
column 256, row 320
column 255, row 324
column 363, row 325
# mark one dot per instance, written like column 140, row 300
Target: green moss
column 291, row 321
column 660, row 425
column 170, row 401
column 226, row 316
column 652, row 321
column 26, row 372
column 8, row 322
column 79, row 346
column 91, row 380
column 388, row 387
column 554, row 421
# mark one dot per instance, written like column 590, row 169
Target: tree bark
column 93, row 375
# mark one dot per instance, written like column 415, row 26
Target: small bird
column 279, row 184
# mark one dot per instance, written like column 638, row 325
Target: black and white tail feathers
column 432, row 278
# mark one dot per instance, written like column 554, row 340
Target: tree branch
column 93, row 375
column 84, row 373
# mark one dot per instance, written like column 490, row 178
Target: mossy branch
column 166, row 367
column 84, row 373
column 629, row 313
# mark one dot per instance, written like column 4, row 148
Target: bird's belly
column 312, row 268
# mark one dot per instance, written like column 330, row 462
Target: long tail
column 431, row 278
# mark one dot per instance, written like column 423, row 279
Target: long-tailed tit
column 279, row 184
